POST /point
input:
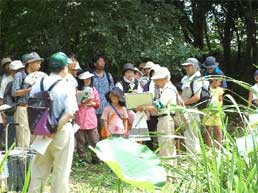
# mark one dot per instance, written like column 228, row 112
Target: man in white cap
column 7, row 98
column 165, row 125
column 191, row 134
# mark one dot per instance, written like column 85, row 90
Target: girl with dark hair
column 86, row 117
column 115, row 115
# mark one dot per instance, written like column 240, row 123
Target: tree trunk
column 227, row 40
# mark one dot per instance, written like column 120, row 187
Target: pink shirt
column 86, row 116
column 115, row 124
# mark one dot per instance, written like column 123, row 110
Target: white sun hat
column 16, row 65
column 161, row 73
column 85, row 75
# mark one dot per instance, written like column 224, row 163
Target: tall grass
column 220, row 171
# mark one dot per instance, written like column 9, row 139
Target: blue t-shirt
column 103, row 85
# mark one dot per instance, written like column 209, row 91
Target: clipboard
column 133, row 100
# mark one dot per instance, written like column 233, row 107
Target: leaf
column 133, row 163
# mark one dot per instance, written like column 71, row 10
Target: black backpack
column 8, row 98
column 205, row 95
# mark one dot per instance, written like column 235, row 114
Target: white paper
column 41, row 143
column 140, row 120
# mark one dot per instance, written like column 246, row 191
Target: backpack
column 8, row 98
column 205, row 95
column 40, row 111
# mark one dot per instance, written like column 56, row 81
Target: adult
column 165, row 125
column 153, row 119
column 137, row 74
column 5, row 62
column 14, row 67
column 141, row 66
column 59, row 154
column 191, row 133
column 147, row 68
column 103, row 82
column 6, row 77
column 73, row 68
column 21, row 90
column 128, row 83
column 253, row 95
column 211, row 66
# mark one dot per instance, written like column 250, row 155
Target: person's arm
column 125, row 122
column 17, row 89
column 250, row 99
column 192, row 100
column 196, row 90
column 22, row 92
column 150, row 109
column 66, row 117
column 95, row 102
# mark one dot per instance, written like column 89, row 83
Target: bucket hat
column 117, row 91
column 5, row 61
column 128, row 66
column 149, row 64
column 16, row 65
column 210, row 62
column 31, row 57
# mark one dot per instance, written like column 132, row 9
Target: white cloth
column 139, row 131
column 4, row 82
column 168, row 94
column 255, row 95
column 166, row 140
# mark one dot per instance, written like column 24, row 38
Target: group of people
column 102, row 107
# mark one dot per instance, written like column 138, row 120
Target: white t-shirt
column 255, row 95
column 168, row 95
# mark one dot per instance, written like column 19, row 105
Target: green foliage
column 125, row 31
column 135, row 164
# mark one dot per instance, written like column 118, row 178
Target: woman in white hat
column 88, row 100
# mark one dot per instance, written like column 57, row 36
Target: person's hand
column 109, row 134
column 140, row 108
column 86, row 101
column 91, row 104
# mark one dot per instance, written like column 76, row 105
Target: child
column 86, row 116
column 115, row 115
column 253, row 96
column 212, row 120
